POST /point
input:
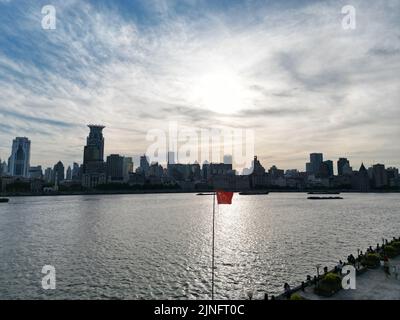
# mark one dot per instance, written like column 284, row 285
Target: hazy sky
column 286, row 69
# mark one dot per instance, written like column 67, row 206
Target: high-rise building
column 361, row 179
column 48, row 175
column 76, row 174
column 3, row 168
column 58, row 173
column 342, row 162
column 94, row 168
column 144, row 164
column 115, row 168
column 128, row 167
column 392, row 173
column 35, row 172
column 69, row 173
column 329, row 166
column 347, row 170
column 379, row 176
column 316, row 159
column 20, row 157
column 308, row 167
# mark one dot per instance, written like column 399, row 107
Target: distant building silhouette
column 20, row 157
column 48, row 175
column 94, row 168
column 342, row 164
column 361, row 180
column 69, row 173
column 316, row 160
column 35, row 172
column 115, row 168
column 144, row 165
column 128, row 167
column 58, row 173
column 379, row 176
column 76, row 172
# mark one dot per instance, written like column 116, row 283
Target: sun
column 222, row 91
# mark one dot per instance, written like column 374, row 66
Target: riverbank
column 161, row 191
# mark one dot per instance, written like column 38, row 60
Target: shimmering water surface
column 159, row 246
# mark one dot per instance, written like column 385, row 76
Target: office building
column 18, row 164
column 316, row 160
column 342, row 162
column 93, row 168
column 115, row 168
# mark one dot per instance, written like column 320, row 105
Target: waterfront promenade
column 371, row 285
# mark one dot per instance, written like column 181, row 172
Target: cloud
column 287, row 70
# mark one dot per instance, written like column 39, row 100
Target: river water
column 159, row 246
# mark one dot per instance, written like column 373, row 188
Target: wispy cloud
column 287, row 70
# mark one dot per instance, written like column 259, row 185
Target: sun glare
column 221, row 91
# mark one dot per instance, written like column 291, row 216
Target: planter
column 328, row 285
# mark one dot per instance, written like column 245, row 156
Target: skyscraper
column 58, row 173
column 48, row 175
column 128, row 167
column 115, row 168
column 329, row 166
column 35, row 172
column 316, row 160
column 94, row 168
column 144, row 164
column 20, row 156
column 3, row 168
column 69, row 173
column 379, row 175
column 76, row 174
column 341, row 164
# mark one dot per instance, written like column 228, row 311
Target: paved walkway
column 371, row 285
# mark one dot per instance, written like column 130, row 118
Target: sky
column 287, row 70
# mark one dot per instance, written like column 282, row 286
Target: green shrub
column 296, row 296
column 396, row 244
column 371, row 260
column 331, row 279
column 390, row 251
column 329, row 284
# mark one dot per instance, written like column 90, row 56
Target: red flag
column 224, row 197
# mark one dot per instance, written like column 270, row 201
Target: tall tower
column 94, row 168
column 20, row 157
column 316, row 160
column 94, row 149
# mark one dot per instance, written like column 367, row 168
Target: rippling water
column 159, row 246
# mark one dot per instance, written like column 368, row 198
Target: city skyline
column 316, row 159
column 134, row 67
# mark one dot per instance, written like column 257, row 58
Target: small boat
column 253, row 193
column 3, row 200
column 324, row 198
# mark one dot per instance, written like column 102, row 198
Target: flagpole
column 213, row 242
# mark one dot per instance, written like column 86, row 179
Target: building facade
column 20, row 157
column 94, row 168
